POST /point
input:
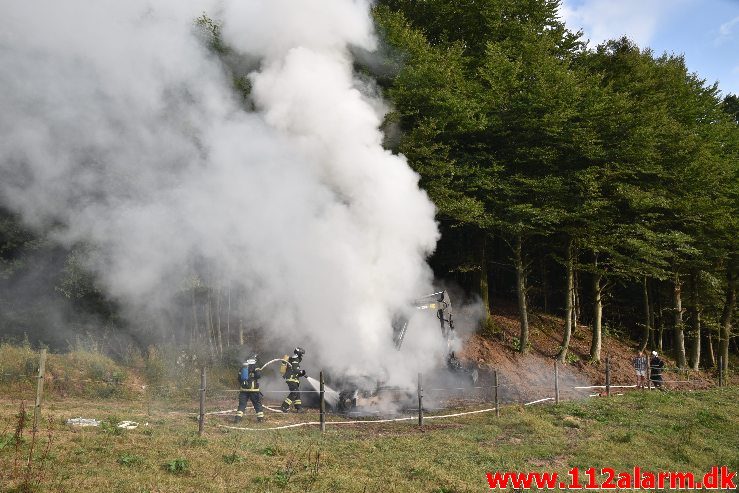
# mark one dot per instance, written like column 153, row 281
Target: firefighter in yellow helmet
column 292, row 378
column 249, row 376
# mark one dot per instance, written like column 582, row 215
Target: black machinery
column 441, row 304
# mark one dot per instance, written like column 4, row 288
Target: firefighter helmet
column 299, row 351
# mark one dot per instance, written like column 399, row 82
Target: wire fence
column 408, row 404
column 487, row 393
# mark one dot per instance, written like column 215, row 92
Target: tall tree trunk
column 484, row 286
column 575, row 301
column 653, row 325
column 596, row 343
column 709, row 356
column 544, row 283
column 568, row 303
column 218, row 322
column 725, row 322
column 228, row 318
column 195, row 328
column 659, row 321
column 209, row 330
column 647, row 316
column 521, row 289
column 695, row 322
column 678, row 334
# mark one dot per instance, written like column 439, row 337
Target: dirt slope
column 531, row 376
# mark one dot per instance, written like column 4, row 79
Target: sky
column 705, row 31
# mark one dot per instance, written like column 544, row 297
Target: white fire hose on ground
column 369, row 421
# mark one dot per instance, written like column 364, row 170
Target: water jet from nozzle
column 330, row 395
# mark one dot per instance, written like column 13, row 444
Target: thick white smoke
column 119, row 129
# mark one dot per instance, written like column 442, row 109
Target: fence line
column 374, row 421
column 420, row 409
column 496, row 385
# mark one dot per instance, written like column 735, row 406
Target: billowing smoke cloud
column 118, row 128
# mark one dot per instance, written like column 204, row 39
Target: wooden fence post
column 497, row 401
column 608, row 376
column 323, row 404
column 201, row 417
column 556, row 382
column 39, row 389
column 420, row 401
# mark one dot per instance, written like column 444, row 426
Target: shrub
column 18, row 363
column 177, row 466
column 571, row 357
column 269, row 451
column 490, row 329
column 154, row 367
column 130, row 460
column 281, row 477
column 81, row 372
column 193, row 440
column 110, row 425
column 233, row 458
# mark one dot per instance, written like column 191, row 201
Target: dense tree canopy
column 613, row 162
column 564, row 176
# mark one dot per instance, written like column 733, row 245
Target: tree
column 484, row 99
column 731, row 106
column 670, row 171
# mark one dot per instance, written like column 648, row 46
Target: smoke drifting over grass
column 120, row 130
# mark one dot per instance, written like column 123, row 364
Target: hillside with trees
column 599, row 184
column 596, row 183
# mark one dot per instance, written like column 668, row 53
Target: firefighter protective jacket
column 251, row 384
column 293, row 369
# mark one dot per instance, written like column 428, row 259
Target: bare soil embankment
column 525, row 377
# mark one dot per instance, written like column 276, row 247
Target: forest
column 598, row 183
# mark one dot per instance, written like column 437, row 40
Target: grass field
column 658, row 431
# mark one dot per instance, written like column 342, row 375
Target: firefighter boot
column 286, row 405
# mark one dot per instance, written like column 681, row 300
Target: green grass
column 81, row 372
column 658, row 431
column 130, row 460
column 86, row 372
column 177, row 466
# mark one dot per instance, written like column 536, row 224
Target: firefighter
column 249, row 376
column 656, row 365
column 292, row 374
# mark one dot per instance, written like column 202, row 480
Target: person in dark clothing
column 656, row 365
column 249, row 389
column 292, row 375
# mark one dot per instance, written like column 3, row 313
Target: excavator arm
column 438, row 302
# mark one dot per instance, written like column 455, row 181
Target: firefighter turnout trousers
column 256, row 399
column 293, row 398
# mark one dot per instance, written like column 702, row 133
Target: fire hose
column 273, row 361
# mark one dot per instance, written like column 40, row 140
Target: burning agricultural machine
column 366, row 392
